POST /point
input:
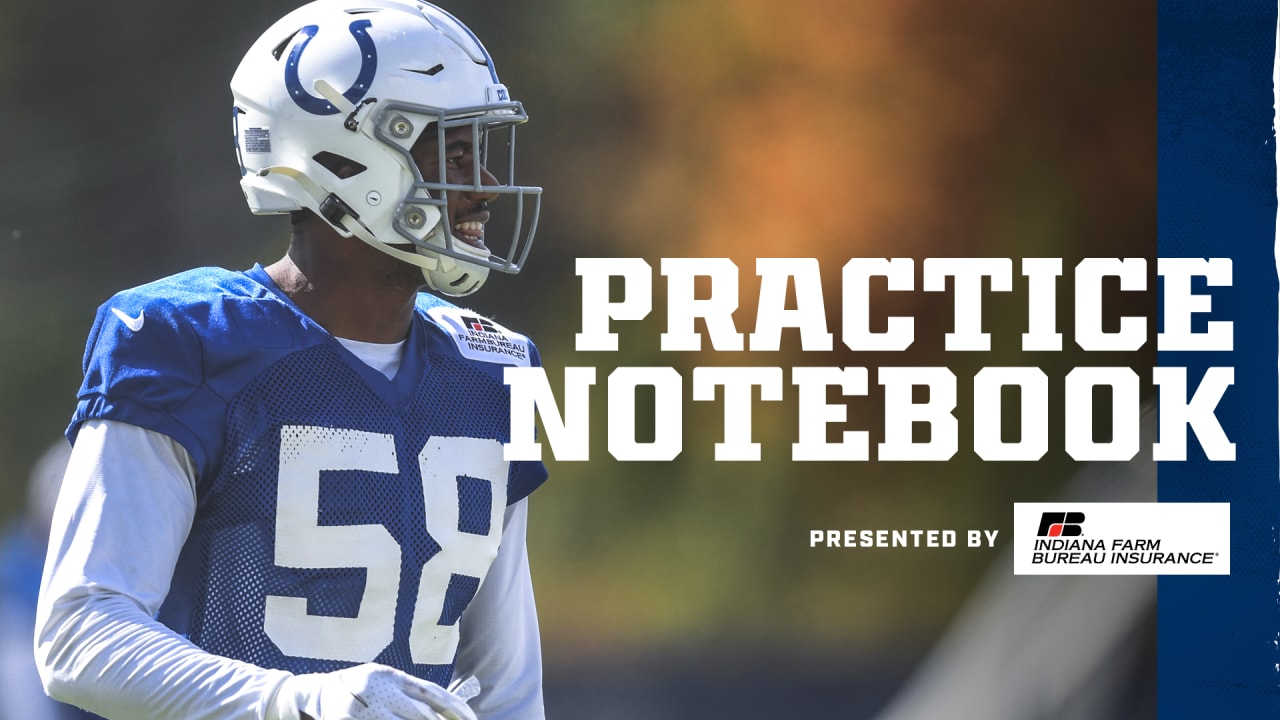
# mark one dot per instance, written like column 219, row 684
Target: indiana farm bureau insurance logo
column 1056, row 524
column 1122, row 539
column 478, row 324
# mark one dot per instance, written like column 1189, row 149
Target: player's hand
column 373, row 692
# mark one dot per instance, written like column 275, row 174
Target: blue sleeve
column 526, row 475
column 142, row 366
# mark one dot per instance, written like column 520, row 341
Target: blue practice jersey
column 341, row 517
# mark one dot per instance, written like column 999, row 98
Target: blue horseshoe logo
column 358, row 89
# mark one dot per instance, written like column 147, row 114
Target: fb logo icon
column 359, row 88
column 1056, row 524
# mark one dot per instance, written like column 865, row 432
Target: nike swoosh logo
column 133, row 323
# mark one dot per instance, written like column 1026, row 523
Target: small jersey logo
column 133, row 323
column 1061, row 524
column 479, row 324
column 479, row 338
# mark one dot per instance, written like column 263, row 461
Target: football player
column 287, row 496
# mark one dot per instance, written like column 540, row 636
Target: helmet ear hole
column 340, row 166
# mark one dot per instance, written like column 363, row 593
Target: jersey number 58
column 301, row 542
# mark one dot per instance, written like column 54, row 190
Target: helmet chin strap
column 442, row 274
column 453, row 276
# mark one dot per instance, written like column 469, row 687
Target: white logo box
column 1125, row 539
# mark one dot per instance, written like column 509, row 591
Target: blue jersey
column 341, row 517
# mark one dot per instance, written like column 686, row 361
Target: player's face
column 468, row 210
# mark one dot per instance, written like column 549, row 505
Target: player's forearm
column 103, row 653
column 123, row 513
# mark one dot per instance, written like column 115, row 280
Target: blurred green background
column 677, row 128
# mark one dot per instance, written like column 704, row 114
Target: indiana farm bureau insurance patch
column 1122, row 538
column 480, row 338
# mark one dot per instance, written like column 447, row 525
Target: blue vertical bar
column 1219, row 637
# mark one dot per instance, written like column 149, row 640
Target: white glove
column 368, row 692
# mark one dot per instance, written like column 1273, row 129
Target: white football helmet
column 347, row 87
